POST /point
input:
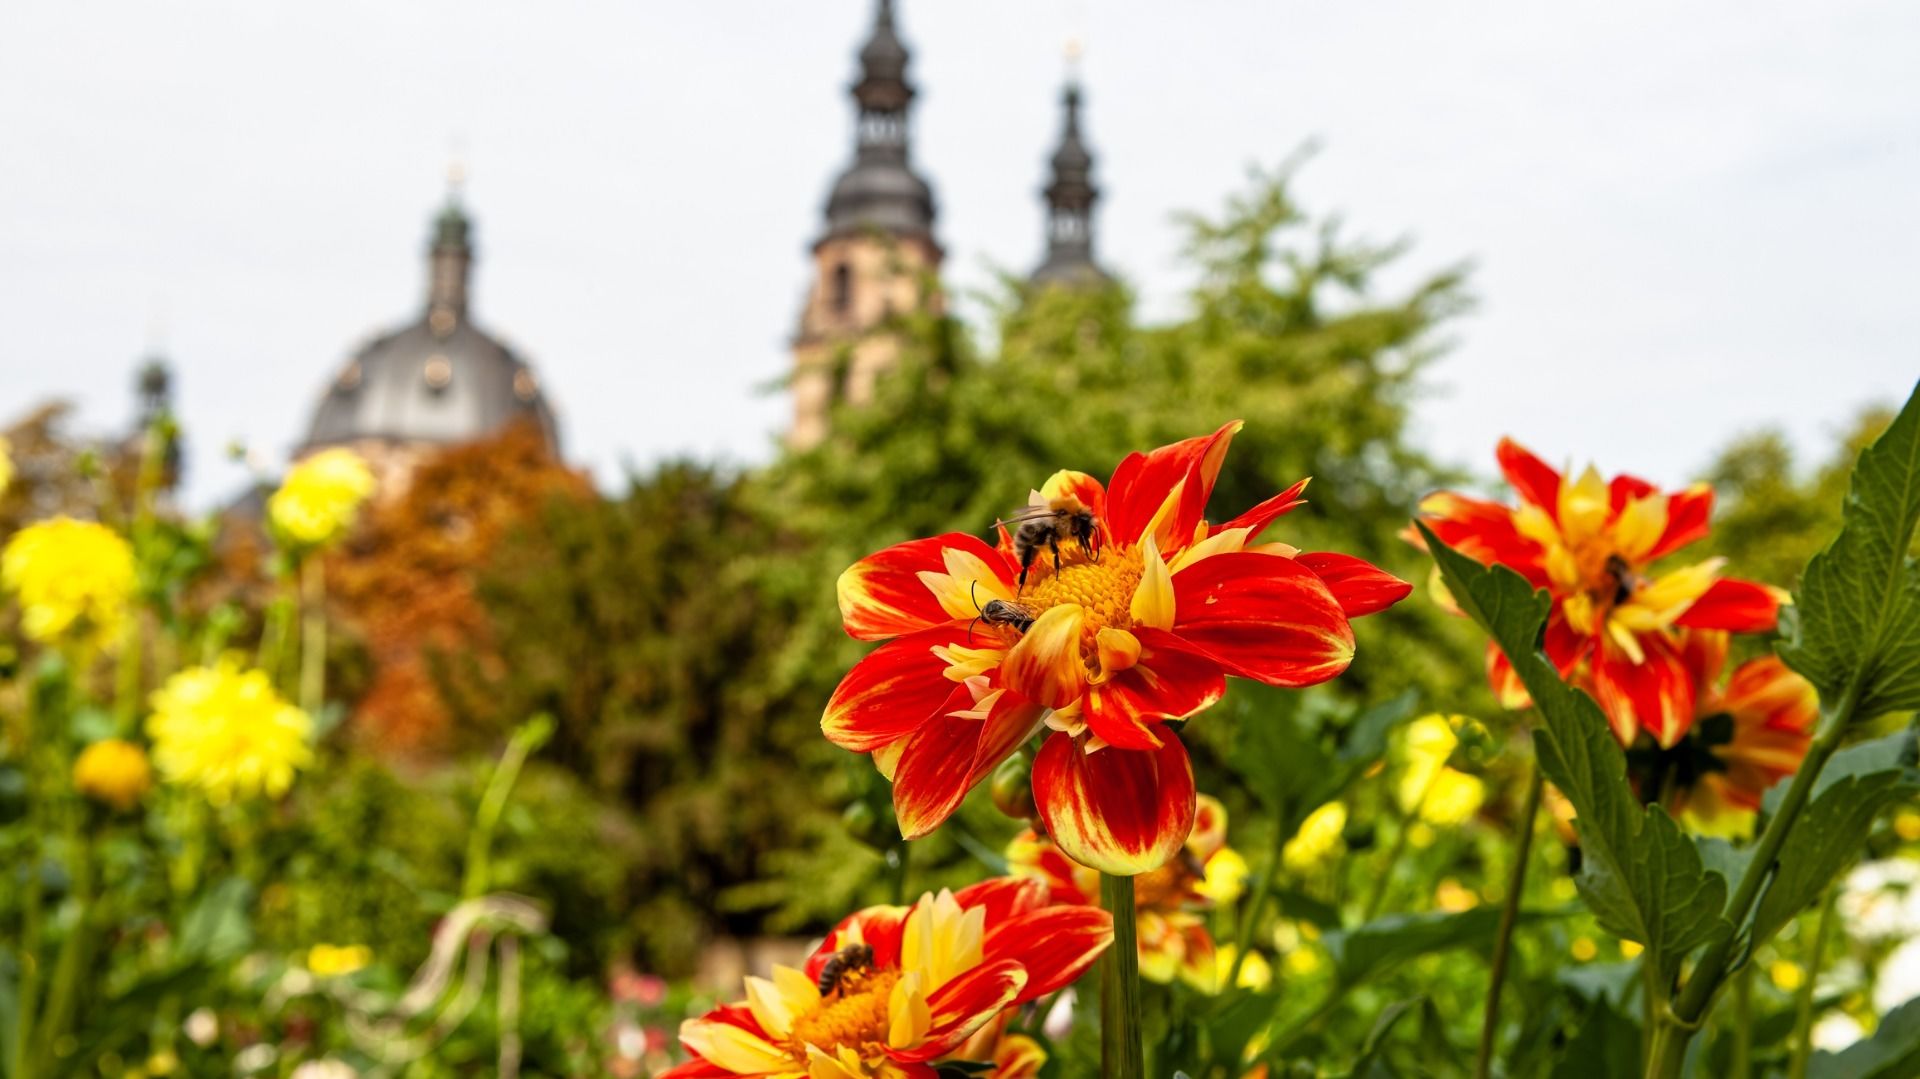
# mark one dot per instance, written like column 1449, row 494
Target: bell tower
column 877, row 254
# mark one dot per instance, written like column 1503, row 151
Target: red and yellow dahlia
column 1747, row 734
column 1129, row 632
column 909, row 986
column 1614, row 625
column 1171, row 902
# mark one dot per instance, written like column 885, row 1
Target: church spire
column 450, row 256
column 880, row 190
column 1070, row 196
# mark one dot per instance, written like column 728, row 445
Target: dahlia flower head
column 1126, row 634
column 226, row 731
column 320, row 499
column 75, row 580
column 904, row 988
column 114, row 772
column 1171, row 903
column 1615, row 624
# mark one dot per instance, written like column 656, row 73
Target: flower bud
column 1013, row 787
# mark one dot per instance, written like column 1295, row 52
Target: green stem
column 1120, row 1047
column 313, row 634
column 1742, row 1064
column 1257, row 904
column 1285, row 1039
column 77, row 948
column 1679, row 1025
column 26, row 987
column 531, row 736
column 1803, row 1004
column 1509, row 916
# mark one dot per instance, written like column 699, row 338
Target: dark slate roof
column 880, row 191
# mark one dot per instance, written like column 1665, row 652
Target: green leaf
column 1369, row 1065
column 217, row 927
column 1293, row 775
column 1606, row 1047
column 1856, row 784
column 1892, row 1053
column 1854, row 627
column 1366, row 950
column 1237, row 1021
column 1642, row 877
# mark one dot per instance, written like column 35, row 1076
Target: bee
column 1625, row 580
column 998, row 612
column 842, row 963
column 1046, row 526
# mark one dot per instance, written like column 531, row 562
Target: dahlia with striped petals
column 1137, row 629
column 1749, row 732
column 1615, row 622
column 928, row 978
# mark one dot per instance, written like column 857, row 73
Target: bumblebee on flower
column 928, row 980
column 1137, row 625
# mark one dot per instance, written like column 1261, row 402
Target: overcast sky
column 1687, row 220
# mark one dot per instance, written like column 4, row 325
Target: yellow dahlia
column 113, row 771
column 318, row 501
column 227, row 732
column 74, row 580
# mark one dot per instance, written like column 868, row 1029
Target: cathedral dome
column 441, row 379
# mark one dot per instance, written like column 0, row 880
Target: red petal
column 964, row 1005
column 880, row 929
column 1655, row 695
column 1004, row 898
column 949, row 755
column 1624, row 489
column 1142, row 483
column 1483, row 531
column 1120, row 811
column 1089, row 491
column 1172, row 681
column 1506, row 685
column 1055, row 944
column 1732, row 604
column 1532, row 479
column 1361, row 587
column 1259, row 517
column 697, row 1069
column 882, row 596
column 1704, row 653
column 1687, row 520
column 890, row 693
column 1263, row 617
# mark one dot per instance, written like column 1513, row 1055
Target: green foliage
column 1292, row 775
column 1642, row 877
column 1853, row 788
column 642, row 624
column 1854, row 628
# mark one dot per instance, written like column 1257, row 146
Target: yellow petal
column 770, row 1007
column 887, row 757
column 732, row 1048
column 1118, row 649
column 1639, row 526
column 908, row 1017
column 967, row 585
column 1584, row 505
column 1223, row 542
column 1153, row 599
column 1045, row 666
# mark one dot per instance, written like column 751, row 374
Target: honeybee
column 999, row 612
column 1625, row 581
column 1045, row 526
column 843, row 962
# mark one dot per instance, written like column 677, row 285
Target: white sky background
column 1687, row 220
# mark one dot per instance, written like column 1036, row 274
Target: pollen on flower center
column 1104, row 589
column 855, row 1016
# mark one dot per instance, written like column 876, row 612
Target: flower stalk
column 1678, row 1024
column 1121, row 1055
column 1509, row 916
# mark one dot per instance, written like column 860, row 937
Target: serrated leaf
column 1855, row 624
column 1892, row 1053
column 1856, row 784
column 1642, row 877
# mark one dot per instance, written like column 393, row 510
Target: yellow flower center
column 854, row 1016
column 1103, row 589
